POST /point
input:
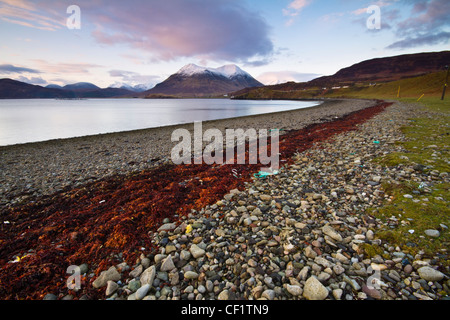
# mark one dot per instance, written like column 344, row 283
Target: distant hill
column 389, row 68
column 81, row 86
column 366, row 73
column 12, row 89
column 196, row 81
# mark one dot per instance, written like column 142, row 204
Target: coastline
column 42, row 168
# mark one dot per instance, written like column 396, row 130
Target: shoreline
column 42, row 168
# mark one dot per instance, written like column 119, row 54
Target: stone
column 310, row 253
column 371, row 292
column 185, row 255
column 148, row 276
column 352, row 282
column 224, row 295
column 190, row 275
column 105, row 276
column 167, row 227
column 337, row 293
column 265, row 197
column 432, row 233
column 329, row 231
column 430, row 274
column 137, row 271
column 196, row 251
column 338, row 269
column 167, row 264
column 314, row 289
column 50, row 296
column 111, row 287
column 268, row 294
column 142, row 291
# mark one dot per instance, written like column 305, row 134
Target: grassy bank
column 426, row 149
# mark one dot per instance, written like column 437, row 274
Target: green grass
column 429, row 85
column 427, row 144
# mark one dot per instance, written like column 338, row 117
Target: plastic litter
column 188, row 229
column 263, row 174
column 376, row 142
column 411, row 231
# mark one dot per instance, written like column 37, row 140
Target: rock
column 430, row 274
column 50, row 296
column 209, row 286
column 167, row 264
column 337, row 294
column 196, row 251
column 310, row 253
column 371, row 292
column 265, row 197
column 148, row 276
column 167, row 227
column 190, row 275
column 329, row 231
column 111, row 287
column 142, row 291
column 105, row 276
column 352, row 282
column 224, row 295
column 268, row 294
column 133, row 285
column 314, row 290
column 185, row 255
column 432, row 233
column 137, row 271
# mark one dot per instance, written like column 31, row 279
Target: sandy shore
column 34, row 169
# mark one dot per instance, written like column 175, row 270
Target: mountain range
column 196, row 81
column 189, row 81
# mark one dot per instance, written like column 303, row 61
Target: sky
column 114, row 42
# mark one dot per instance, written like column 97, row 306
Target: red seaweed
column 93, row 223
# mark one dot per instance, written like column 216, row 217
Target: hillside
column 361, row 75
column 416, row 74
column 430, row 85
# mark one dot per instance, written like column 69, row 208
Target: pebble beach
column 299, row 234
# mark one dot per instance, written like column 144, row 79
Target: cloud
column 65, row 67
column 32, row 80
column 275, row 77
column 293, row 9
column 226, row 30
column 9, row 68
column 217, row 30
column 425, row 40
column 30, row 14
column 134, row 78
column 427, row 25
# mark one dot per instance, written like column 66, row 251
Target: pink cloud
column 219, row 29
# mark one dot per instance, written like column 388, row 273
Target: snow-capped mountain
column 135, row 88
column 197, row 81
column 229, row 70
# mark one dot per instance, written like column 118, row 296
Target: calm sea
column 24, row 121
